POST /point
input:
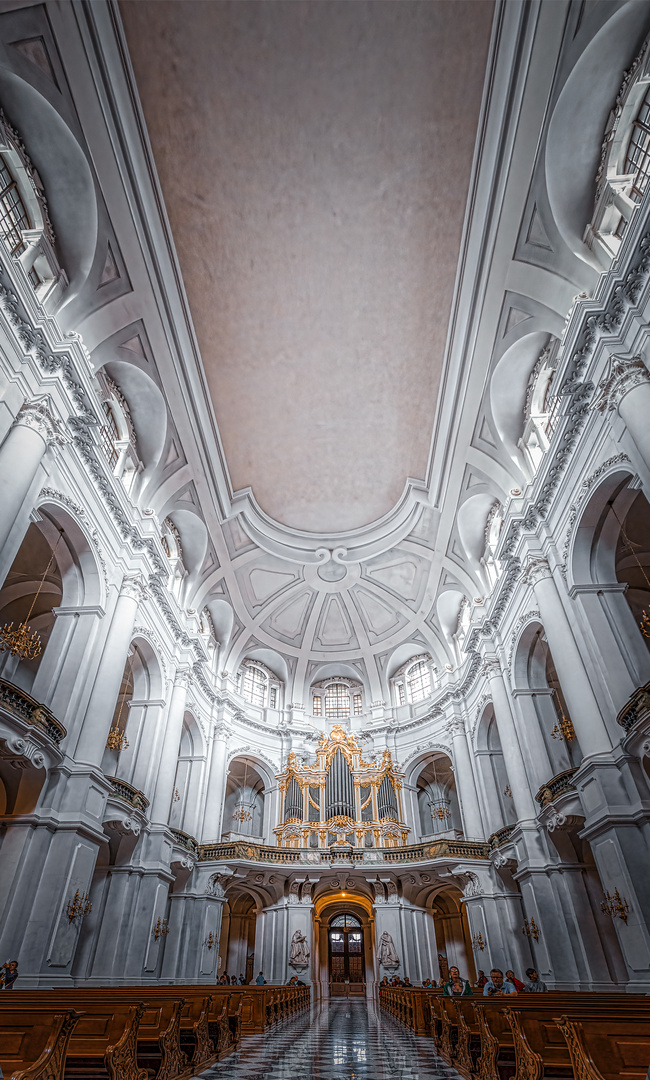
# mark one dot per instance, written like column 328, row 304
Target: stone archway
column 327, row 909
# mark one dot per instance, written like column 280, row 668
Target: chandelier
column 22, row 641
column 117, row 739
column 242, row 813
column 439, row 808
column 564, row 729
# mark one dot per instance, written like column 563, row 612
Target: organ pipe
column 339, row 789
column 293, row 801
column 386, row 802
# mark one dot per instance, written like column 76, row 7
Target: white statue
column 388, row 957
column 299, row 954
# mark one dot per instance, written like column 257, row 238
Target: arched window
column 415, row 680
column 254, row 685
column 542, row 407
column 117, row 434
column 348, row 922
column 337, row 699
column 418, row 680
column 625, row 161
column 259, row 685
column 25, row 228
column 13, row 216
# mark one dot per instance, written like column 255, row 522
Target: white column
column 469, row 807
column 512, row 755
column 626, row 389
column 576, row 685
column 101, row 705
column 162, row 798
column 216, row 787
column 33, row 430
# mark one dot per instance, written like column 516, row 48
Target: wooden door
column 347, row 962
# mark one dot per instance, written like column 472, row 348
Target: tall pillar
column 576, row 685
column 512, row 755
column 216, row 786
column 101, row 704
column 626, row 389
column 32, row 432
column 164, row 789
column 466, row 788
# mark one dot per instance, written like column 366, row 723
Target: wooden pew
column 36, row 1044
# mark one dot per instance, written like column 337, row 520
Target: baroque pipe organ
column 341, row 801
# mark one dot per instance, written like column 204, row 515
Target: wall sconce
column 507, row 791
column 79, row 906
column 176, row 796
column 210, row 941
column 161, row 929
column 616, row 906
column 478, row 942
column 530, row 929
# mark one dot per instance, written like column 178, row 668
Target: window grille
column 337, row 701
column 358, row 703
column 254, row 686
column 419, row 681
column 13, row 216
column 317, row 706
column 346, row 921
column 637, row 161
column 109, row 435
column 401, row 694
column 273, row 697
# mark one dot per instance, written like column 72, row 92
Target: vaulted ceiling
column 314, row 160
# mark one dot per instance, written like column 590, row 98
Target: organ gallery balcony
column 414, row 853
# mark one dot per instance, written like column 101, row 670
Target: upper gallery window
column 25, row 227
column 258, row 685
column 336, row 699
column 117, row 435
column 415, row 680
column 542, row 407
column 624, row 162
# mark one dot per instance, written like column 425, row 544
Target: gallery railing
column 20, row 704
column 439, row 849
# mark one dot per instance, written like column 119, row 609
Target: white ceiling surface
column 315, row 162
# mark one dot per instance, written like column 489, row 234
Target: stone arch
column 192, row 761
column 137, row 716
column 493, row 776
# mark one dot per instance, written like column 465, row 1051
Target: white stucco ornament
column 387, row 953
column 299, row 953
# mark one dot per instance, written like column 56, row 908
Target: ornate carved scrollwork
column 486, row 1066
column 121, row 1060
column 174, row 1061
column 530, row 1065
column 204, row 1045
column 463, row 1061
column 583, row 1068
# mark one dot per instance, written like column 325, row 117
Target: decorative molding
column 10, row 136
column 535, row 569
column 52, row 495
column 622, row 375
column 583, row 491
column 37, row 415
column 135, row 586
column 154, row 640
column 516, row 633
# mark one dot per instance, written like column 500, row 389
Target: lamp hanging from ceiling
column 438, row 808
column 23, row 641
column 242, row 813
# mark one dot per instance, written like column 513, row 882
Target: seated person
column 260, row 980
column 427, row 984
column 517, row 983
column 406, row 981
column 534, row 984
column 384, row 981
column 455, row 986
column 293, row 981
column 482, row 979
column 496, row 986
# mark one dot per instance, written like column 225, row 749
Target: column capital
column 622, row 375
column 38, row 416
column 183, row 677
column 456, row 725
column 535, row 569
column 135, row 586
column 491, row 667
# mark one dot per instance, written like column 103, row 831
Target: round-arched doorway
column 347, row 968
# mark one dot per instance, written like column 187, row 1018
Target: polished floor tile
column 338, row 1041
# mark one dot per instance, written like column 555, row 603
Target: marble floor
column 338, row 1041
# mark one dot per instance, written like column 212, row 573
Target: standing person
column 517, row 983
column 496, row 986
column 534, row 984
column 455, row 986
column 260, row 980
column 9, row 974
column 482, row 979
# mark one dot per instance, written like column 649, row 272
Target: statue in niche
column 386, row 952
column 299, row 953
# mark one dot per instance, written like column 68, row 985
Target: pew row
column 563, row 1035
column 133, row 1033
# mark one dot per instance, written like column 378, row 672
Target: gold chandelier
column 242, row 814
column 22, row 641
column 439, row 809
column 564, row 729
column 117, row 739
